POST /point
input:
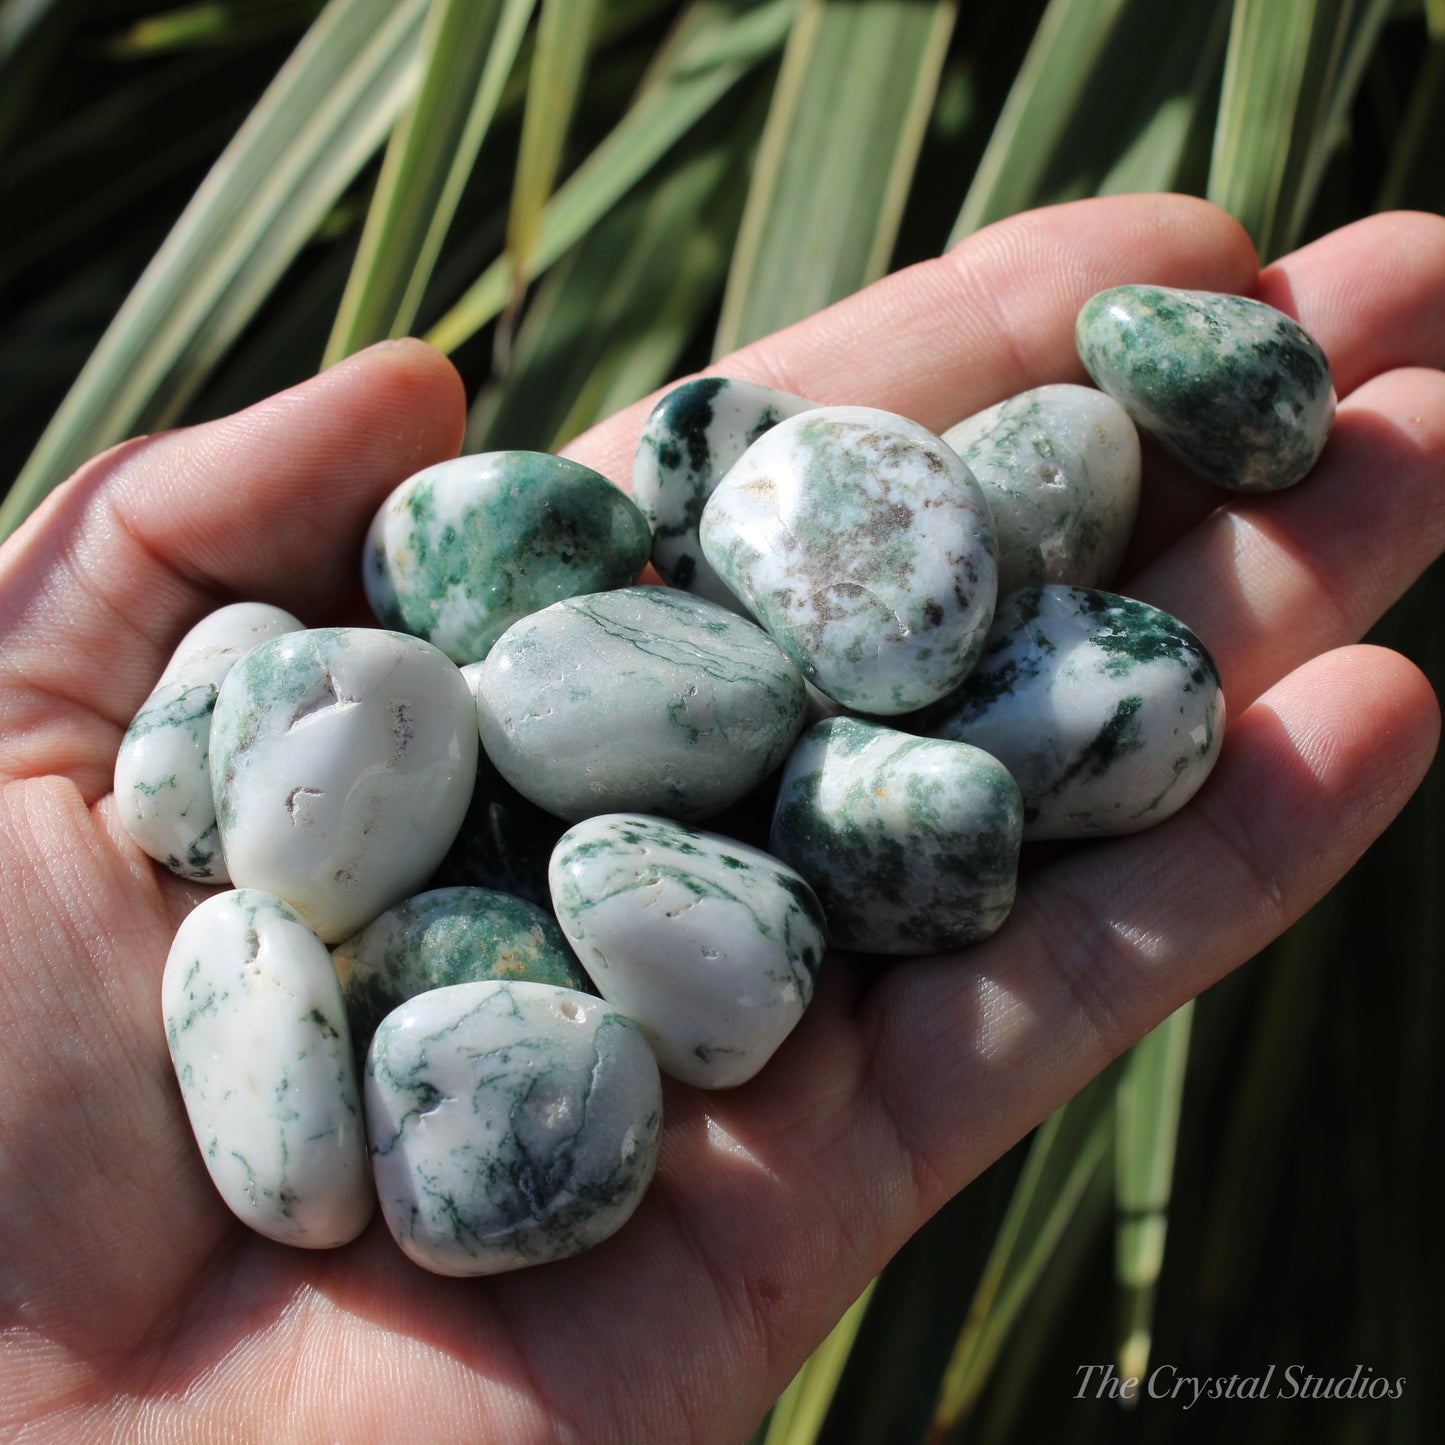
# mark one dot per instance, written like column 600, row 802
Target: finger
column 1372, row 294
column 1268, row 582
column 270, row 504
column 1107, row 942
column 995, row 316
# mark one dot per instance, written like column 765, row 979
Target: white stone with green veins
column 257, row 1033
column 712, row 946
column 510, row 1123
column 1060, row 468
column 162, row 771
column 1108, row 712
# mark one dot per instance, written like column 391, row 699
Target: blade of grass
column 798, row 1416
column 836, row 161
column 210, row 23
column 319, row 122
column 1414, row 176
column 608, row 322
column 664, row 112
column 1151, row 1090
column 468, row 48
column 1069, row 1148
column 1040, row 115
column 564, row 33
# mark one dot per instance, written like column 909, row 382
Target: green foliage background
column 581, row 198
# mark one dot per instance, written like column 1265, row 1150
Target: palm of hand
column 128, row 1294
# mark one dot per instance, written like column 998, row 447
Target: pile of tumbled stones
column 462, row 853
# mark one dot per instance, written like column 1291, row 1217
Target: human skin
column 133, row 1306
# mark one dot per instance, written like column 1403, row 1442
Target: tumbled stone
column 446, row 936
column 640, row 700
column 510, row 1124
column 711, row 946
column 1237, row 391
column 257, row 1033
column 1108, row 712
column 163, row 770
column 693, row 435
column 1060, row 468
column 911, row 844
column 865, row 548
column 464, row 549
column 343, row 760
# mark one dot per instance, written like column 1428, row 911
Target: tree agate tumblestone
column 510, row 1124
column 1234, row 389
column 912, row 844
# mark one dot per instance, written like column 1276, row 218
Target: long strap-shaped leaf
column 321, row 119
column 837, row 159
column 802, row 1408
column 1281, row 69
column 724, row 41
column 1070, row 1147
column 1151, row 1091
column 469, row 47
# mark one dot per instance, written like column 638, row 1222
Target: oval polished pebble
column 1108, row 712
column 462, row 550
column 641, row 700
column 690, row 440
column 510, row 1124
column 258, row 1037
column 1237, row 391
column 343, row 760
column 1060, row 468
column 865, row 548
column 446, row 936
column 711, row 946
column 912, row 844
column 163, row 770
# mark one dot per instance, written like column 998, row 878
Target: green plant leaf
column 469, row 49
column 1069, row 1149
column 802, row 1408
column 1151, row 1090
column 836, row 162
column 722, row 42
column 322, row 118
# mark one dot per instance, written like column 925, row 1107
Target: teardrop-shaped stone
column 710, row 945
column 864, row 546
column 258, row 1037
column 640, row 700
column 510, row 1124
column 1108, row 712
column 1237, row 391
column 692, row 437
column 911, row 844
column 462, row 550
column 1060, row 468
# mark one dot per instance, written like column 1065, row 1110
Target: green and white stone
column 1060, row 468
column 258, row 1037
column 865, row 548
column 1237, row 391
column 1108, row 712
column 343, row 761
column 693, row 436
column 462, row 550
column 163, row 771
column 510, row 1124
column 911, row 844
column 711, row 946
column 442, row 937
column 641, row 700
